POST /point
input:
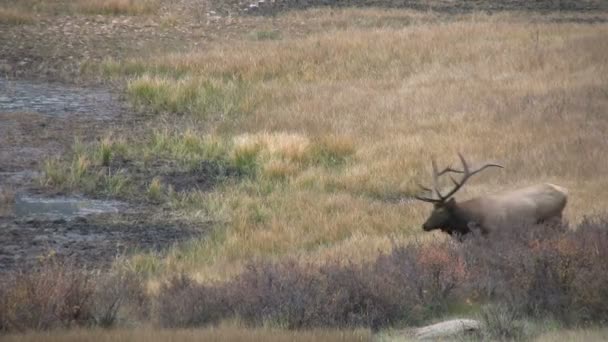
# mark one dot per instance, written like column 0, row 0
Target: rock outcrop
column 447, row 329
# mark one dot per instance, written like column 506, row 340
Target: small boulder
column 447, row 329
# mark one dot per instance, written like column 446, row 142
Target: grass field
column 23, row 12
column 333, row 127
column 241, row 334
column 210, row 334
column 316, row 138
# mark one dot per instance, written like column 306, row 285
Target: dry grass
column 507, row 88
column 7, row 196
column 116, row 7
column 7, row 200
column 15, row 16
column 586, row 335
column 227, row 333
column 24, row 11
column 222, row 333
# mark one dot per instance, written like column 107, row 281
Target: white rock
column 447, row 329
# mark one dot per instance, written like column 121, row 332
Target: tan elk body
column 529, row 205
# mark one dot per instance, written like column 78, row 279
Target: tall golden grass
column 590, row 335
column 527, row 93
column 24, row 11
column 222, row 333
column 15, row 16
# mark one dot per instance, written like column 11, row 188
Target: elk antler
column 467, row 174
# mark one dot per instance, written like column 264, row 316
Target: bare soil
column 94, row 241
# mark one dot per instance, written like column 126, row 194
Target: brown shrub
column 184, row 303
column 418, row 280
column 119, row 297
column 539, row 271
column 410, row 284
column 544, row 271
column 65, row 295
column 55, row 295
column 284, row 293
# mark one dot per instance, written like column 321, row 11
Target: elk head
column 447, row 215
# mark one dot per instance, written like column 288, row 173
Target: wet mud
column 94, row 241
column 56, row 99
column 38, row 121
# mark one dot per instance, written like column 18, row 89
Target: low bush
column 501, row 323
column 412, row 283
column 184, row 303
column 543, row 271
column 56, row 295
column 64, row 295
column 548, row 272
column 119, row 298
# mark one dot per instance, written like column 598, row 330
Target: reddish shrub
column 409, row 284
column 286, row 293
column 544, row 270
column 184, row 303
column 527, row 271
column 64, row 295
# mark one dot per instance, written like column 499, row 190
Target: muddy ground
column 91, row 241
column 60, row 49
column 29, row 136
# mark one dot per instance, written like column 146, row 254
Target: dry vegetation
column 24, row 11
column 380, row 101
column 591, row 335
column 7, row 198
column 515, row 284
column 235, row 334
column 312, row 142
column 224, row 333
column 15, row 16
column 116, row 7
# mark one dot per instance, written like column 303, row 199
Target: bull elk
column 530, row 205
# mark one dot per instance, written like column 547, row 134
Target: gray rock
column 40, row 239
column 447, row 329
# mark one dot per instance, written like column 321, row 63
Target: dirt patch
column 28, row 139
column 93, row 241
column 58, row 100
column 40, row 120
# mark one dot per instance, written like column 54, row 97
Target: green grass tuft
column 245, row 159
column 218, row 99
column 155, row 191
